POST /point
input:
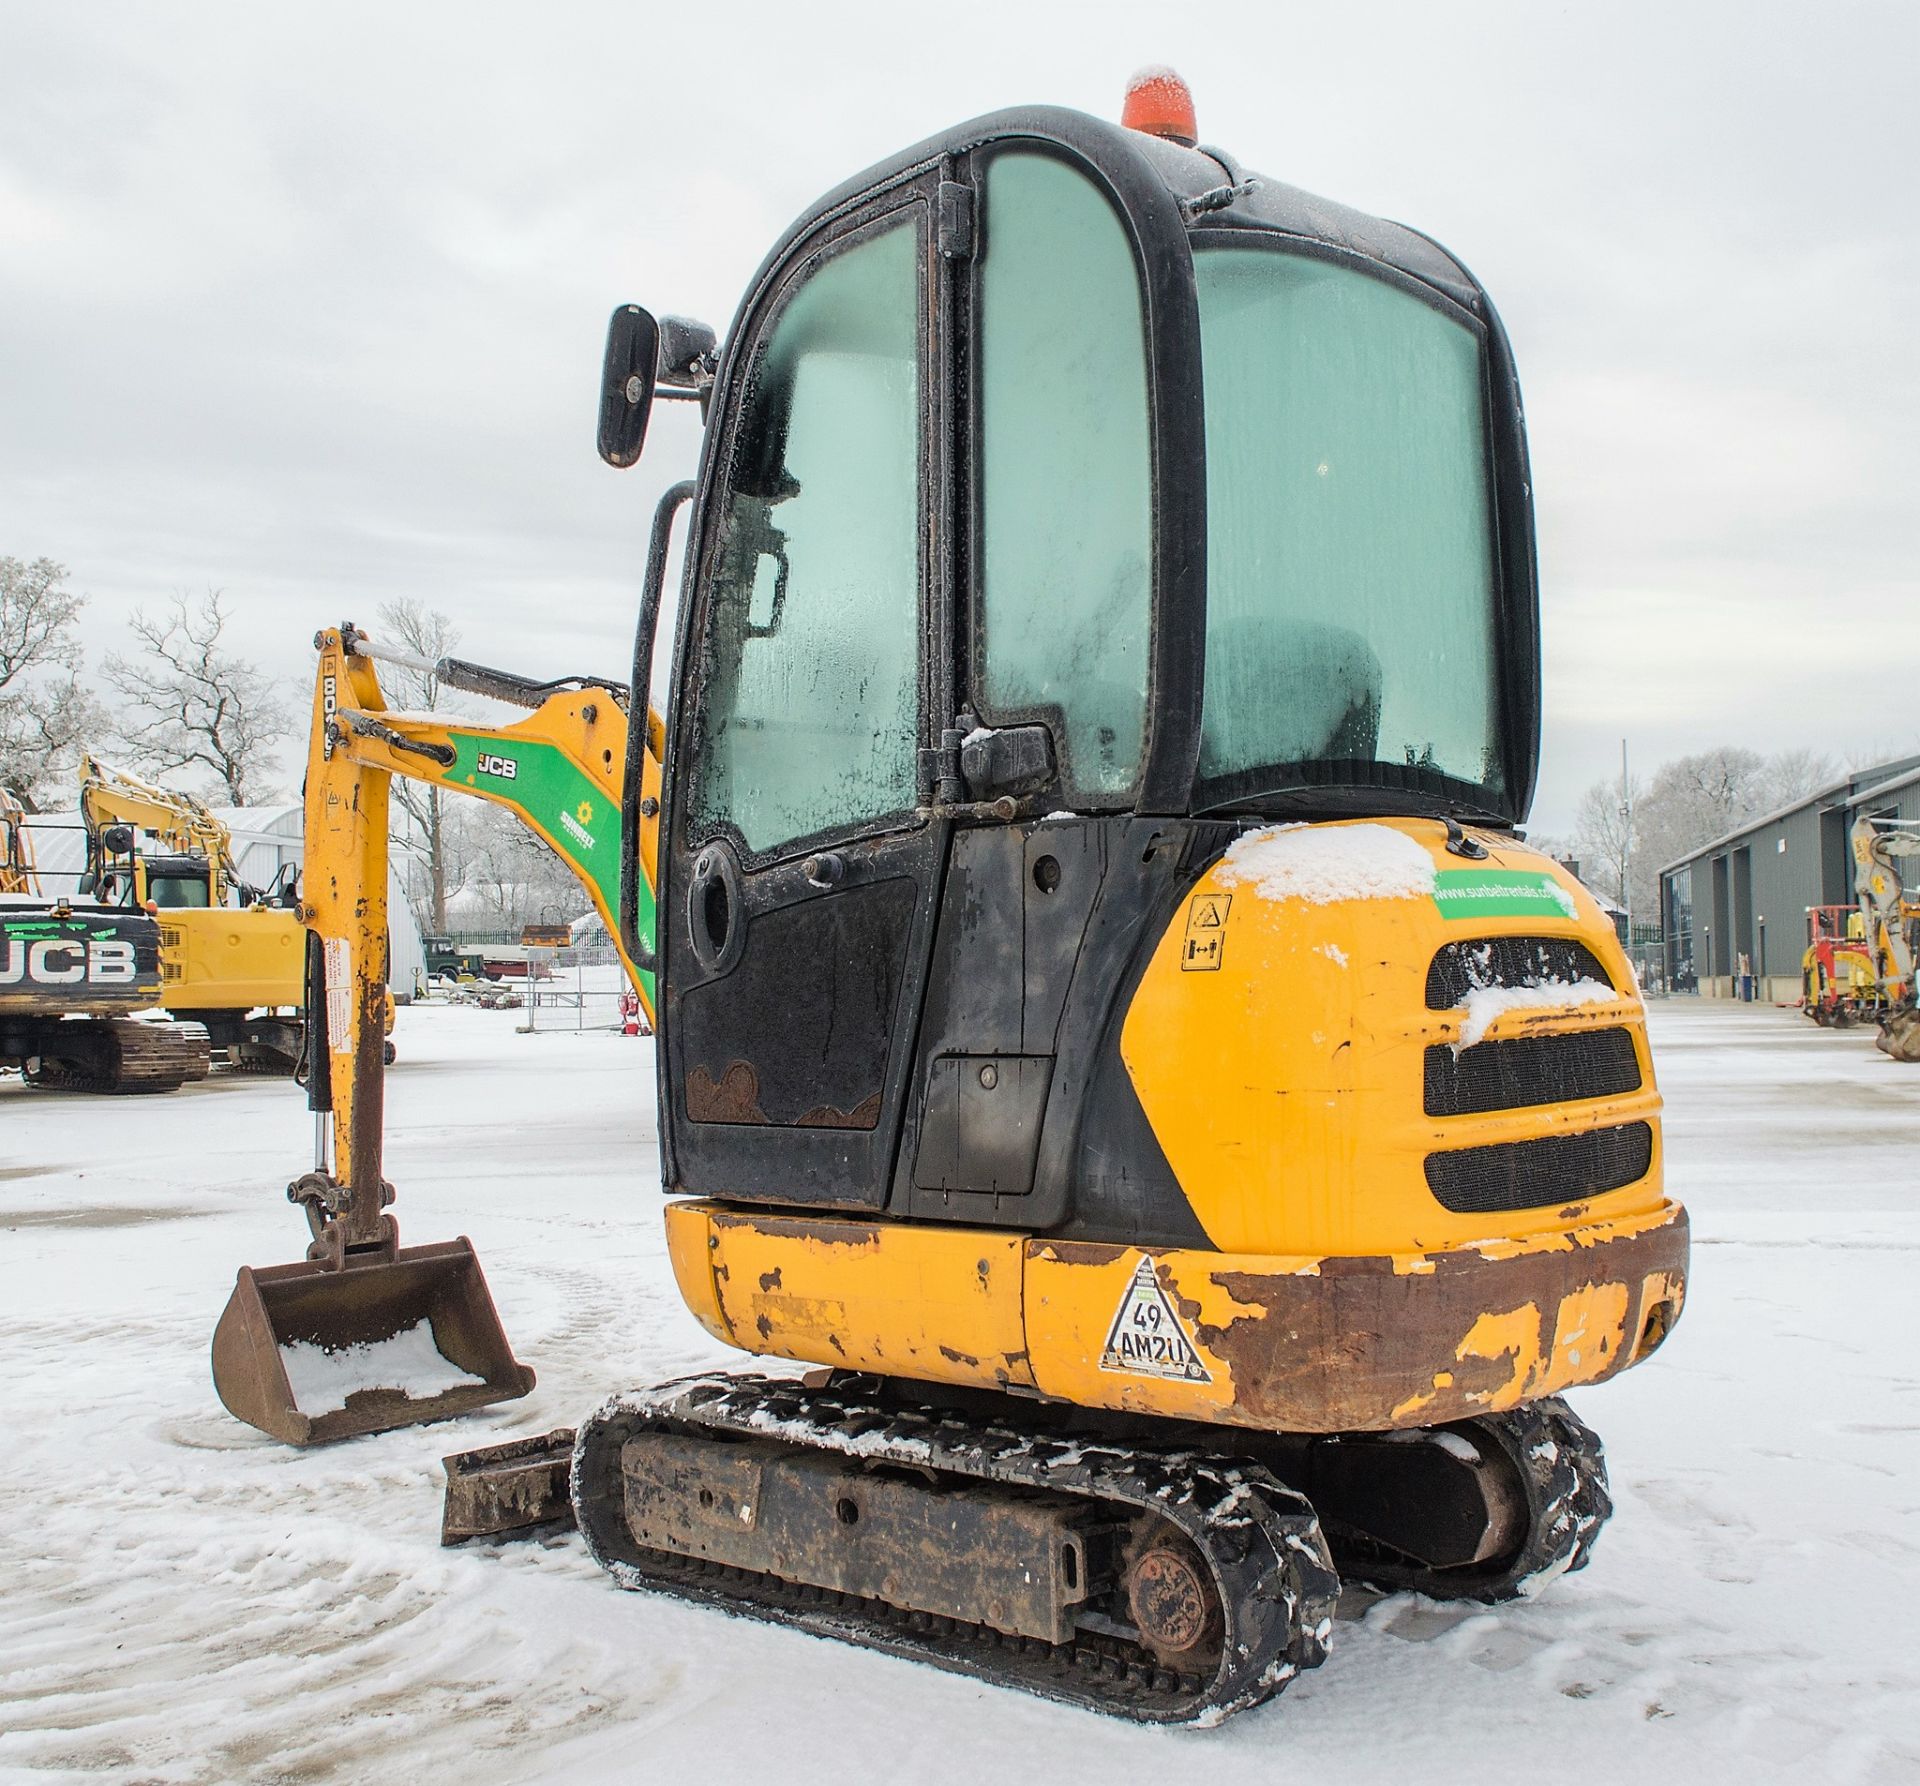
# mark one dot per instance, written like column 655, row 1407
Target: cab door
column 802, row 864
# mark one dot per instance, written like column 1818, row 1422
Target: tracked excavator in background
column 74, row 977
column 1110, row 1025
column 231, row 956
column 1892, row 931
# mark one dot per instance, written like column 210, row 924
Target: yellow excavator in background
column 1891, row 931
column 232, row 957
column 1109, row 1022
column 17, row 874
column 77, row 980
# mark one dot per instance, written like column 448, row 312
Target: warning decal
column 339, row 964
column 1147, row 1337
column 1206, row 933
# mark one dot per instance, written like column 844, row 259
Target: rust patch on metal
column 770, row 1280
column 1086, row 1252
column 1189, row 1309
column 1361, row 1347
column 820, row 1231
column 864, row 1115
column 764, row 1325
column 953, row 1357
column 735, row 1097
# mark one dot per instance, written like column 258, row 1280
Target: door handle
column 716, row 909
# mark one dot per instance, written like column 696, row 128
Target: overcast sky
column 307, row 303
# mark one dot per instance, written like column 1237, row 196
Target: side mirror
column 626, row 384
column 1007, row 760
column 687, row 350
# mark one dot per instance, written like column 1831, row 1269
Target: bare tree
column 518, row 879
column 1689, row 801
column 421, row 806
column 1604, row 835
column 45, row 715
column 191, row 705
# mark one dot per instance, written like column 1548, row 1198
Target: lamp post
column 1626, row 841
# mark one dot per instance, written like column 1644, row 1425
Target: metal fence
column 576, row 991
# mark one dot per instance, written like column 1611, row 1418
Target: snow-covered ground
column 183, row 1600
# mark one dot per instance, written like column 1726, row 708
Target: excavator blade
column 521, row 1488
column 310, row 1353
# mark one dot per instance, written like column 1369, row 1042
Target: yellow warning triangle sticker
column 1147, row 1337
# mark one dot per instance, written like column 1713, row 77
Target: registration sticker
column 1148, row 1338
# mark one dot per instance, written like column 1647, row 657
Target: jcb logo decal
column 504, row 767
column 58, row 962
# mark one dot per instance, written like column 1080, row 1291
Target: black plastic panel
column 1484, row 961
column 1539, row 1174
column 797, row 1034
column 980, row 1129
column 1530, row 1070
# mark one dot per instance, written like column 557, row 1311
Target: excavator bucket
column 309, row 1353
column 1900, row 1035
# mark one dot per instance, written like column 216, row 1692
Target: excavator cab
column 1072, row 499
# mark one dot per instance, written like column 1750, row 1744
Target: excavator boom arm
column 559, row 771
column 110, row 796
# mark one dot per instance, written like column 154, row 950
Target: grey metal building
column 1748, row 893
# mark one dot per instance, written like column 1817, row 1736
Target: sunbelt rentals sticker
column 1147, row 1337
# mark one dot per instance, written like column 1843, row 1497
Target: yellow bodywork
column 1277, row 1045
column 216, row 957
column 17, row 873
column 231, row 958
column 1285, row 1083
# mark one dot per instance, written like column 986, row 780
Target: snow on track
column 183, row 1600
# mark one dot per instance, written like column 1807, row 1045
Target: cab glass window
column 1065, row 474
column 177, row 892
column 1350, row 563
column 808, row 717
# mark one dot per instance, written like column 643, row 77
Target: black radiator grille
column 1538, row 1174
column 1466, row 967
column 1594, row 1063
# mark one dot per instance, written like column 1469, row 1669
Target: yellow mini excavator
column 1890, row 931
column 1110, row 1025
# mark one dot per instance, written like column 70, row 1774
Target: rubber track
column 1262, row 1541
column 150, row 1058
column 156, row 1057
column 1563, row 1474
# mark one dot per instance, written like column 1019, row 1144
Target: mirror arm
column 640, row 951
